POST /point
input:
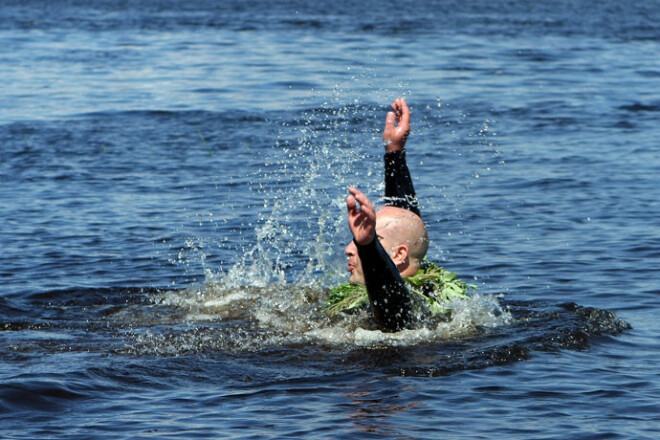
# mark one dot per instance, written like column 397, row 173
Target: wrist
column 392, row 154
column 394, row 146
column 369, row 240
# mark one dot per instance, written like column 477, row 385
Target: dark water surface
column 173, row 177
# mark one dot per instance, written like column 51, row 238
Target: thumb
column 389, row 121
column 350, row 203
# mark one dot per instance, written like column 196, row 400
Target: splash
column 484, row 330
column 303, row 187
column 255, row 318
column 274, row 291
column 293, row 250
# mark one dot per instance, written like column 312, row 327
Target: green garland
column 433, row 284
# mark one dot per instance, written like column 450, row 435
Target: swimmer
column 389, row 243
column 386, row 257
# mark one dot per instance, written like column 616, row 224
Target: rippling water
column 173, row 177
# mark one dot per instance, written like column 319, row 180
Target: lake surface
column 173, row 182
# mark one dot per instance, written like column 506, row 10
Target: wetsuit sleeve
column 390, row 300
column 399, row 190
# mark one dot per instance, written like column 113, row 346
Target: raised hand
column 397, row 126
column 362, row 218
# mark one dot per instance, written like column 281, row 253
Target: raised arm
column 389, row 298
column 399, row 190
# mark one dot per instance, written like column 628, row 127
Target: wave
column 214, row 320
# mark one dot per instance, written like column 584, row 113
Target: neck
column 409, row 268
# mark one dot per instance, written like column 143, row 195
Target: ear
column 399, row 255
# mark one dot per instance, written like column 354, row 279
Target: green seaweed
column 433, row 284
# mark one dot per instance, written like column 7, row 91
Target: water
column 173, row 177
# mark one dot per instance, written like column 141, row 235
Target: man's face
column 354, row 263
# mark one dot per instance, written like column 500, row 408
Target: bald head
column 400, row 227
column 403, row 236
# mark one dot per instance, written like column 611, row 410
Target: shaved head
column 403, row 236
column 397, row 226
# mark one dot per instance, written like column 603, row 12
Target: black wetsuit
column 390, row 300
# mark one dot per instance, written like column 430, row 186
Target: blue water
column 173, row 176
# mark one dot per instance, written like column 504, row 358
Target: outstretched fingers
column 397, row 126
column 396, row 107
column 402, row 112
column 366, row 207
column 362, row 218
